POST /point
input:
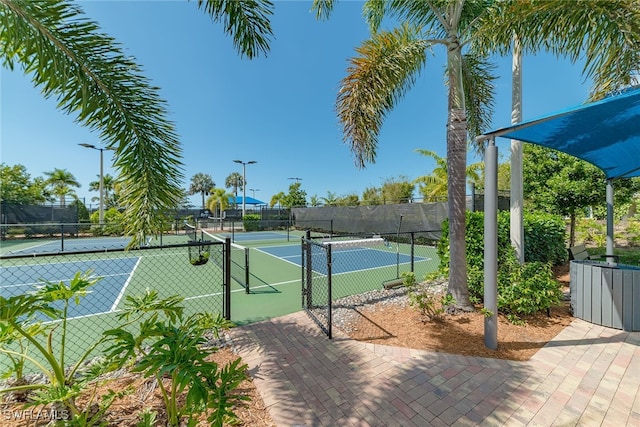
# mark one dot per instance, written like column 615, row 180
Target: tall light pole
column 244, row 183
column 253, row 192
column 101, row 207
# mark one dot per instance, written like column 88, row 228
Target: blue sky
column 278, row 110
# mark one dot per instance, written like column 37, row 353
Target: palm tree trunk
column 457, row 165
column 456, row 158
column 516, row 229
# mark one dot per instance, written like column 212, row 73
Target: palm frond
column 246, row 21
column 604, row 33
column 385, row 69
column 87, row 73
column 374, row 11
column 478, row 78
column 323, row 8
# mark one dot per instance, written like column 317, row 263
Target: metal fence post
column 227, row 278
column 329, row 293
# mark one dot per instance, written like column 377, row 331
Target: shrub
column 426, row 300
column 544, row 239
column 251, row 222
column 527, row 289
column 522, row 289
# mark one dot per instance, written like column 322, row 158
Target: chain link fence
column 316, row 283
column 122, row 274
column 338, row 267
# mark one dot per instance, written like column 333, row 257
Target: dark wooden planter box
column 605, row 294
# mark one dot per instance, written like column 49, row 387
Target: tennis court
column 77, row 244
column 104, row 296
column 122, row 275
column 273, row 270
column 345, row 260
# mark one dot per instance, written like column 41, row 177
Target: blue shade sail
column 605, row 133
column 249, row 201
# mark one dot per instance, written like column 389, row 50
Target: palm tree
column 61, row 181
column 389, row 62
column 565, row 30
column 218, row 201
column 331, row 199
column 388, row 65
column 108, row 185
column 235, row 181
column 87, row 72
column 278, row 199
column 434, row 187
column 201, row 183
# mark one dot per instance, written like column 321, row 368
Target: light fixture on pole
column 253, row 192
column 101, row 207
column 244, row 183
column 296, row 179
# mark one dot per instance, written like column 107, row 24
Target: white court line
column 279, row 257
column 242, row 290
column 18, row 251
column 126, row 285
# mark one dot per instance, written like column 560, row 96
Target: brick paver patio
column 587, row 376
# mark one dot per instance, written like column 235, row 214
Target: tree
column 218, row 201
column 349, row 200
column 389, row 62
column 201, row 183
column 60, row 181
column 235, row 181
column 434, row 187
column 277, row 199
column 87, row 72
column 331, row 199
column 397, row 190
column 387, row 66
column 559, row 183
column 372, row 196
column 108, row 185
column 568, row 29
column 17, row 187
column 296, row 197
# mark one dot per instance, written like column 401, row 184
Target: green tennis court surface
column 275, row 276
column 275, row 267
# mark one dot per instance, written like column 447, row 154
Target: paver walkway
column 587, row 376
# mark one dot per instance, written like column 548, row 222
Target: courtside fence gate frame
column 316, row 286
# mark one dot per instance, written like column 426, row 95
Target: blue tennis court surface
column 343, row 260
column 103, row 297
column 70, row 245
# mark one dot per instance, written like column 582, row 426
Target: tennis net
column 239, row 260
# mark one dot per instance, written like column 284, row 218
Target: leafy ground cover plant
column 174, row 349
column 166, row 346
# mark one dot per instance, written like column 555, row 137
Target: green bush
column 633, row 232
column 544, row 239
column 522, row 289
column 251, row 222
column 113, row 223
column 527, row 289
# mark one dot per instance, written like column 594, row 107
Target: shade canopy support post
column 609, row 253
column 491, row 245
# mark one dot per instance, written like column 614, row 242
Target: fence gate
column 316, row 282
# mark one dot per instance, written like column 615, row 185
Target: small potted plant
column 201, row 259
